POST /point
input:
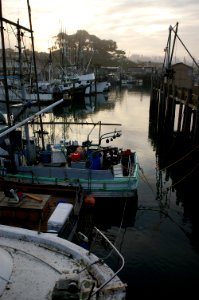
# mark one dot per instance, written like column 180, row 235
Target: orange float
column 89, row 200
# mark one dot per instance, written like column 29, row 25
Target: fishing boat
column 43, row 266
column 103, row 171
column 99, row 170
column 22, row 94
column 97, row 87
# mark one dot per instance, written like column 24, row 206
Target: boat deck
column 43, row 266
column 31, row 212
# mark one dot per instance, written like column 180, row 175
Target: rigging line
column 8, row 37
column 12, row 30
column 122, row 240
column 166, row 214
column 143, row 177
column 12, row 61
column 175, row 162
column 185, row 47
column 120, row 227
column 187, row 175
column 122, row 219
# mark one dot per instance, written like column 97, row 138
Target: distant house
column 183, row 76
column 140, row 70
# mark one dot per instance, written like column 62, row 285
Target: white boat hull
column 34, row 265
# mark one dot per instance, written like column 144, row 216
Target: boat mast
column 4, row 66
column 173, row 47
column 23, row 93
column 35, row 69
column 50, row 67
column 30, row 119
column 22, row 84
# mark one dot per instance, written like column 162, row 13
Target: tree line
column 84, row 51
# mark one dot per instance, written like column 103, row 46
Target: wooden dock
column 175, row 109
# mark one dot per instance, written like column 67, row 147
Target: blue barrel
column 96, row 162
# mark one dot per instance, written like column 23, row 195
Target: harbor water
column 157, row 232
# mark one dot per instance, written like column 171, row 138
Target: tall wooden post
column 4, row 66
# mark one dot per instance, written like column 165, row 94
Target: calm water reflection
column 155, row 236
column 158, row 232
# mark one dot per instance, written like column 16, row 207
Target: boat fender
column 89, row 200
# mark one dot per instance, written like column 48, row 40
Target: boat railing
column 40, row 179
column 100, row 260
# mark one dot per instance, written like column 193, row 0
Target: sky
column 139, row 27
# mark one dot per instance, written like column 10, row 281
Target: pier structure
column 175, row 95
column 175, row 103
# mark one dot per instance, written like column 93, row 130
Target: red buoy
column 89, row 200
